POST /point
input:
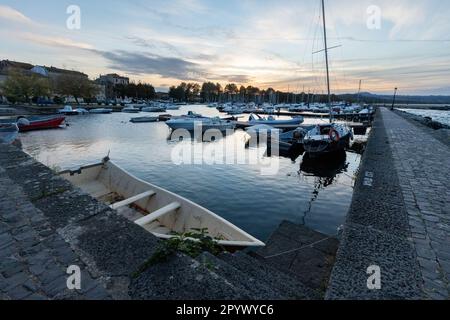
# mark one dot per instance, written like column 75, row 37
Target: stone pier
column 399, row 219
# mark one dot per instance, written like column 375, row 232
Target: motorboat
column 68, row 111
column 255, row 119
column 161, row 212
column 39, row 122
column 144, row 119
column 131, row 109
column 262, row 132
column 101, row 111
column 203, row 124
column 154, row 109
column 172, row 107
column 8, row 132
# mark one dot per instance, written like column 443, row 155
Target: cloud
column 54, row 41
column 154, row 44
column 148, row 63
column 236, row 78
column 8, row 13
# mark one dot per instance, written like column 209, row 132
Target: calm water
column 239, row 193
column 441, row 116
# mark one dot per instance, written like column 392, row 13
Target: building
column 113, row 79
column 7, row 66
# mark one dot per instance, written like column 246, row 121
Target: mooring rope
column 298, row 249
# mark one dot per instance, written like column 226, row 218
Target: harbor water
column 315, row 194
column 442, row 116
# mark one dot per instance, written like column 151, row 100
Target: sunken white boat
column 160, row 212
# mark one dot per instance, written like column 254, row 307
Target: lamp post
column 393, row 102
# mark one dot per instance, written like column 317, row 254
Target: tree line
column 214, row 92
column 24, row 87
column 142, row 91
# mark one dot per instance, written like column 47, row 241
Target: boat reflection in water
column 327, row 167
column 324, row 169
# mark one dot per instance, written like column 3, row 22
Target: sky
column 265, row 43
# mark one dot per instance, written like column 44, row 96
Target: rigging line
column 298, row 249
column 335, row 29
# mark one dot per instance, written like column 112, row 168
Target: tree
column 77, row 86
column 21, row 87
column 177, row 93
column 208, row 92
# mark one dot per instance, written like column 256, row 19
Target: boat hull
column 160, row 212
column 198, row 125
column 42, row 124
column 144, row 120
column 323, row 147
column 295, row 121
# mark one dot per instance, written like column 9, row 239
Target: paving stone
column 19, row 293
column 422, row 195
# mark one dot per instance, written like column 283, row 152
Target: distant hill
column 376, row 98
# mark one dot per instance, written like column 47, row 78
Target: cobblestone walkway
column 33, row 256
column 423, row 168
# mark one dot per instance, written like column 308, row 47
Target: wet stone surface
column 400, row 221
column 377, row 232
column 423, row 166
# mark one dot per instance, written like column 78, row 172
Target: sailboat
column 332, row 137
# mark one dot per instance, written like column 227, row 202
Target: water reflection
column 324, row 169
column 236, row 191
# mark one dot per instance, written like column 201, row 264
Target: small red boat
column 40, row 123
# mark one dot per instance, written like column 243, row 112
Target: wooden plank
column 132, row 199
column 158, row 213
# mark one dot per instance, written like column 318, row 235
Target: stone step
column 267, row 274
column 302, row 253
column 184, row 278
column 258, row 290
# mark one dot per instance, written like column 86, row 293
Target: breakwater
column 399, row 222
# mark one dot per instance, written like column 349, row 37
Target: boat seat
column 158, row 213
column 132, row 199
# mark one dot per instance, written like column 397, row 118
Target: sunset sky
column 257, row 42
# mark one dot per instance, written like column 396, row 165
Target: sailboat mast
column 326, row 58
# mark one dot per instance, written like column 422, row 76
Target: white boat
column 160, row 212
column 68, row 111
column 154, row 109
column 172, row 107
column 203, row 124
column 101, row 111
column 255, row 119
column 131, row 109
column 8, row 132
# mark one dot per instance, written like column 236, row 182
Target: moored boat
column 39, row 122
column 144, row 119
column 131, row 109
column 203, row 124
column 101, row 111
column 255, row 119
column 327, row 138
column 160, row 212
column 154, row 109
column 68, row 111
